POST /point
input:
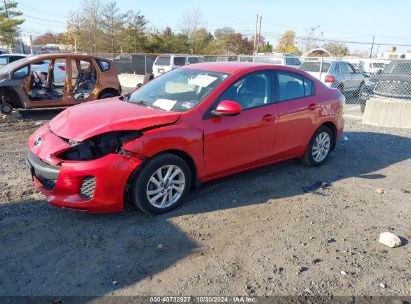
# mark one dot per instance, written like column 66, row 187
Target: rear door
column 297, row 109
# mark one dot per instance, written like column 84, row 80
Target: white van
column 279, row 59
column 165, row 63
column 374, row 66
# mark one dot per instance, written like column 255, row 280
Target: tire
column 161, row 199
column 341, row 88
column 6, row 108
column 358, row 92
column 311, row 158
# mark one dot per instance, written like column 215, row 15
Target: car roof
column 231, row 67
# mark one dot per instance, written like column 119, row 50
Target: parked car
column 9, row 58
column 374, row 66
column 279, row 59
column 393, row 82
column 335, row 74
column 86, row 78
column 192, row 125
column 165, row 63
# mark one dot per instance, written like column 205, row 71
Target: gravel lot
column 256, row 233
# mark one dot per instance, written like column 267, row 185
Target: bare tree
column 190, row 24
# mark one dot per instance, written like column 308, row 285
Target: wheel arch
column 12, row 96
column 195, row 182
column 330, row 125
column 108, row 90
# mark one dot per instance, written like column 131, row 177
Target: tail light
column 329, row 78
column 62, row 67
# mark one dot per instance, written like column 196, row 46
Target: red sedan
column 186, row 127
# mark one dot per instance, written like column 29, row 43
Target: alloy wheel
column 165, row 186
column 321, row 146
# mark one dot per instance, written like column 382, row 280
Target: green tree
column 9, row 23
column 338, row 49
column 133, row 34
column 286, row 43
column 266, row 48
column 237, row 44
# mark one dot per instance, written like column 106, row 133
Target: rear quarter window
column 103, row 65
column 180, row 61
column 162, row 60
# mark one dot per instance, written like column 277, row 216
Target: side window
column 103, row 65
column 290, row 86
column 250, row 91
column 308, row 87
column 180, row 61
column 21, row 73
column 337, row 68
column 350, row 68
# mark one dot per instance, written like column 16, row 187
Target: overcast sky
column 343, row 20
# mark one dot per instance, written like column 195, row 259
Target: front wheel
column 6, row 108
column 319, row 147
column 162, row 184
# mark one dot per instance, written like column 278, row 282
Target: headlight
column 98, row 146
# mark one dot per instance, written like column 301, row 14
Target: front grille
column 47, row 183
column 87, row 187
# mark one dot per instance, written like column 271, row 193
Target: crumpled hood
column 97, row 117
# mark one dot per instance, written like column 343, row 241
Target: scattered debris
column 160, row 246
column 301, row 269
column 345, row 138
column 390, row 239
column 321, row 184
column 315, row 186
column 343, row 273
column 317, row 260
column 382, row 285
column 381, row 191
column 114, row 282
column 405, row 191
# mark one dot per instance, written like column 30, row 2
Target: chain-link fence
column 358, row 78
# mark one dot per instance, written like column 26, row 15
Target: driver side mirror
column 227, row 108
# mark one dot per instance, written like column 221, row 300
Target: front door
column 235, row 142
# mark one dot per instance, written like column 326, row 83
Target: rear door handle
column 268, row 117
column 312, row 106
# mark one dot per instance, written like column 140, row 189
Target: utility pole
column 255, row 36
column 259, row 33
column 372, row 45
column 31, row 45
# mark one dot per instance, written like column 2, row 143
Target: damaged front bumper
column 95, row 186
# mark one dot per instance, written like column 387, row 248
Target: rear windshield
column 310, row 66
column 162, row 60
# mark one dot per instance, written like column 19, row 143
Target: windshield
column 378, row 65
column 292, row 61
column 177, row 91
column 3, row 60
column 398, row 68
column 5, row 69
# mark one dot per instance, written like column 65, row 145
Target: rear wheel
column 6, row 108
column 319, row 147
column 162, row 184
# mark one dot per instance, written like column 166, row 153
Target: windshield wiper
column 125, row 97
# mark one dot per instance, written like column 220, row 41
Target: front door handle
column 268, row 117
column 312, row 106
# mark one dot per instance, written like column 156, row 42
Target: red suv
column 186, row 127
